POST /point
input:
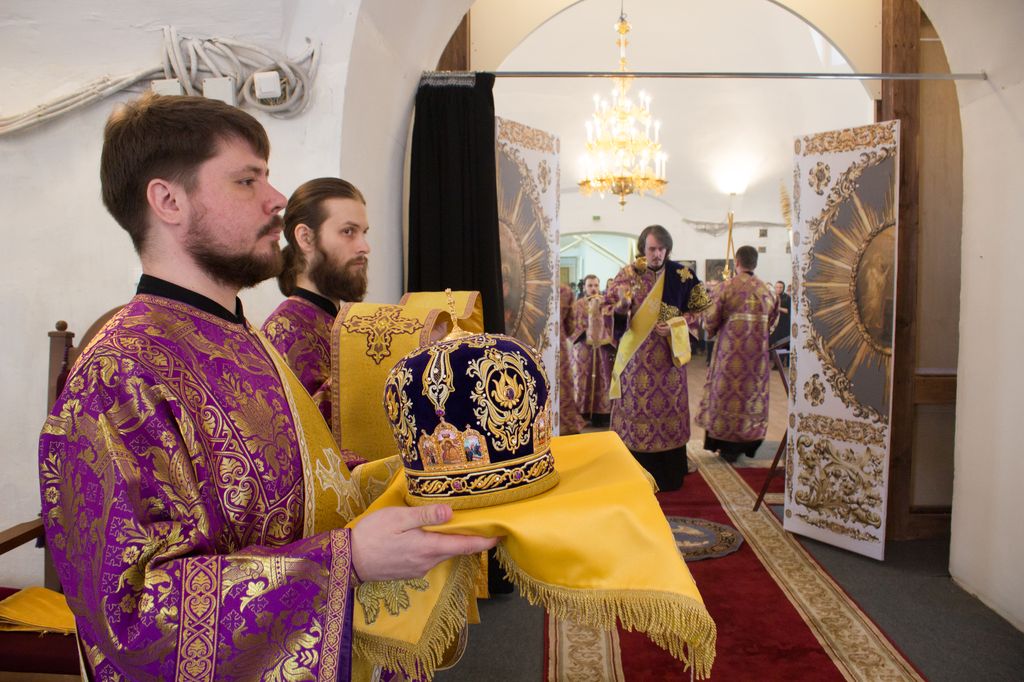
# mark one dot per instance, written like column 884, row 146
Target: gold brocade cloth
column 595, row 549
column 469, row 306
column 366, row 341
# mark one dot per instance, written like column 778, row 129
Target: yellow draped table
column 594, row 549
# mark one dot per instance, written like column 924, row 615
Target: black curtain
column 453, row 196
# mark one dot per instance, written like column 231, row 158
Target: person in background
column 782, row 330
column 325, row 264
column 650, row 402
column 569, row 419
column 734, row 406
column 592, row 336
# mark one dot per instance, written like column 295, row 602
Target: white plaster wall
column 394, row 43
column 988, row 538
column 64, row 257
column 687, row 243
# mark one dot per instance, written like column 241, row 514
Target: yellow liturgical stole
column 640, row 326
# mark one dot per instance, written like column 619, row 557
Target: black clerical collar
column 316, row 299
column 161, row 287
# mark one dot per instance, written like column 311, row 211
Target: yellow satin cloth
column 596, row 548
column 469, row 307
column 36, row 609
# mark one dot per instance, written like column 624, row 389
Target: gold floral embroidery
column 839, row 487
column 503, row 407
column 699, row 299
column 667, row 312
column 398, row 407
column 438, row 380
column 380, row 327
column 390, row 594
column 197, row 640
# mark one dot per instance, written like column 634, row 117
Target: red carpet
column 755, row 478
column 779, row 615
column 760, row 634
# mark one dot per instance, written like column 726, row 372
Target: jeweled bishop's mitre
column 472, row 418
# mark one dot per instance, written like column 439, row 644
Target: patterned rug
column 699, row 539
column 779, row 615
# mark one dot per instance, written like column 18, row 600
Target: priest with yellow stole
column 650, row 401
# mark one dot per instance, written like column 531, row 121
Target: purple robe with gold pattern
column 734, row 407
column 569, row 419
column 301, row 332
column 592, row 337
column 653, row 414
column 172, row 490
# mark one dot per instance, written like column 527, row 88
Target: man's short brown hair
column 747, row 257
column 166, row 137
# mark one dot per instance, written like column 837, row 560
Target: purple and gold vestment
column 734, row 406
column 569, row 419
column 592, row 333
column 653, row 414
column 173, row 501
column 300, row 330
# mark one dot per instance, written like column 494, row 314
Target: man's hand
column 662, row 329
column 390, row 543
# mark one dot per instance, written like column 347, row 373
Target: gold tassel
column 664, row 617
column 448, row 618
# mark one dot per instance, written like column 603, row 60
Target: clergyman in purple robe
column 176, row 486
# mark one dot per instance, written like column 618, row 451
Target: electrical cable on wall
column 191, row 60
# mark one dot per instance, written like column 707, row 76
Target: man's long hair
column 306, row 207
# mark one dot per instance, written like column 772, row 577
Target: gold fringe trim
column 422, row 658
column 680, row 625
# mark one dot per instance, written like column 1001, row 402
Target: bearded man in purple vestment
column 652, row 412
column 734, row 407
column 172, row 468
column 593, row 352
column 325, row 263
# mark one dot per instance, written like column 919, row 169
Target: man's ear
column 305, row 238
column 167, row 200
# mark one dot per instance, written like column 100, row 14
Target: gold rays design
column 849, row 284
column 529, row 293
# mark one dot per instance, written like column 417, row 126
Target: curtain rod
column 735, row 74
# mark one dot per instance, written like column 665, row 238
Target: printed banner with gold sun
column 528, row 190
column 845, row 190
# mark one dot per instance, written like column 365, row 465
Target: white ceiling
column 710, row 128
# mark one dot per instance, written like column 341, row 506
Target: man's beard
column 656, row 268
column 347, row 283
column 237, row 270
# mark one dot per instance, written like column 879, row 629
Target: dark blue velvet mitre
column 472, row 419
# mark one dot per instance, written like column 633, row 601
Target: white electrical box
column 220, row 88
column 166, row 86
column 266, row 84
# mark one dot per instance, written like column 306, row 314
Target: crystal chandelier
column 622, row 158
